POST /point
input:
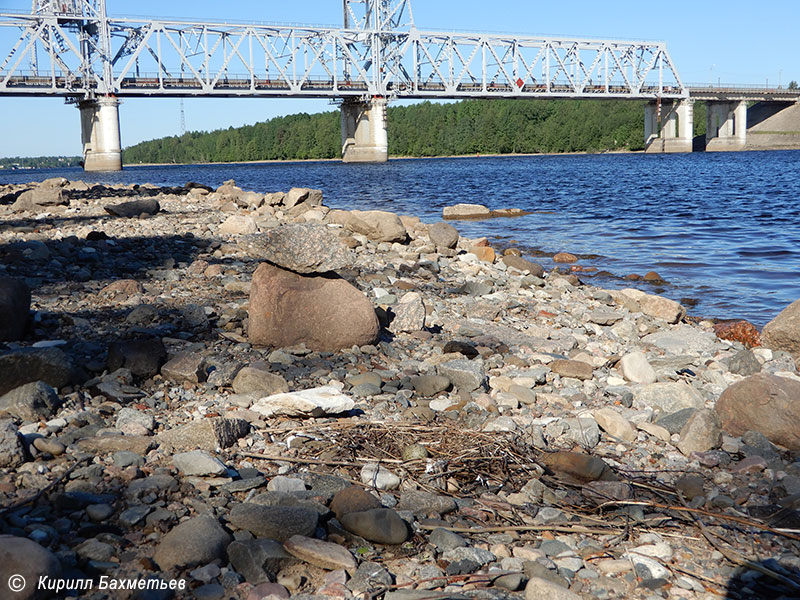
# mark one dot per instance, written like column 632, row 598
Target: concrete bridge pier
column 102, row 149
column 674, row 132
column 364, row 136
column 726, row 126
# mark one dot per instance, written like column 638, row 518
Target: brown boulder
column 783, row 332
column 324, row 312
column 764, row 403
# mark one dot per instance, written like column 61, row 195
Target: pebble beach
column 226, row 393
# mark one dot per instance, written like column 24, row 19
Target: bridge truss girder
column 80, row 52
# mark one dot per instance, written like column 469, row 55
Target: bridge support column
column 677, row 127
column 102, row 150
column 364, row 136
column 726, row 126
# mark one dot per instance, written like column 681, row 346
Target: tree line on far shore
column 423, row 129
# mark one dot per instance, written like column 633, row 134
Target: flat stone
column 466, row 375
column 667, row 396
column 273, row 522
column 30, row 402
column 205, row 434
column 254, row 380
column 106, row 444
column 380, row 525
column 186, row 366
column 321, row 554
column 314, row 402
column 572, row 368
column 301, row 247
column 259, row 561
column 199, row 463
column 466, row 211
column 682, row 339
column 197, row 541
column 604, row 317
column 424, row 504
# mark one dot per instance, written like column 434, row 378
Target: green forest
column 39, row 162
column 424, row 129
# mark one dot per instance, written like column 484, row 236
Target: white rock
column 314, row 402
column 655, row 430
column 614, row 424
column 199, row 463
column 635, row 368
column 644, row 563
column 380, row 477
column 239, row 225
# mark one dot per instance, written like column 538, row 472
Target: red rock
column 323, row 312
column 739, row 331
column 764, row 403
column 565, row 257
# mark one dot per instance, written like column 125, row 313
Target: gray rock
column 15, row 304
column 701, row 433
column 12, row 449
column 49, row 446
column 281, row 483
column 130, row 517
column 744, row 363
column 259, row 561
column 325, row 555
column 19, row 367
column 274, row 522
column 476, row 555
column 197, row 541
column 443, row 235
column 205, row 434
column 134, row 208
column 255, row 380
column 604, row 317
column 142, row 357
column 423, row 504
column 369, row 575
column 668, row 396
column 543, row 589
column 24, row 557
column 296, row 196
column 380, row 477
column 430, row 385
column 409, row 314
column 199, row 463
column 134, row 422
column 682, row 339
column 30, row 402
column 674, row 422
column 635, row 368
column 446, row 540
column 522, row 264
column 186, row 366
column 584, row 432
column 466, row 375
column 381, row 525
column 301, row 247
column 99, row 512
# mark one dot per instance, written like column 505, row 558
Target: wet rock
column 565, row 257
column 259, row 561
column 199, row 463
column 30, row 402
column 15, row 304
column 353, row 499
column 142, row 357
column 321, row 554
column 315, row 402
column 466, row 375
column 764, row 403
column 134, row 208
column 197, row 541
column 635, row 368
column 323, row 312
column 409, row 314
column 205, row 434
column 12, row 450
column 186, row 366
column 301, row 247
column 25, row 558
column 18, row 367
column 783, row 332
column 466, row 211
column 572, row 368
column 377, row 225
column 739, row 331
column 254, row 380
column 381, row 525
column 274, row 522
column 443, row 235
column 701, row 433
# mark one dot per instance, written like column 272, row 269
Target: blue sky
column 726, row 41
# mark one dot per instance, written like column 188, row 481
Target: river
column 723, row 229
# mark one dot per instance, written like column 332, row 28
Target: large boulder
column 783, row 332
column 300, row 247
column 23, row 563
column 42, row 196
column 764, row 403
column 466, row 211
column 15, row 303
column 322, row 312
column 19, row 367
column 377, row 225
column 443, row 235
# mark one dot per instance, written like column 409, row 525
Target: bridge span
column 73, row 49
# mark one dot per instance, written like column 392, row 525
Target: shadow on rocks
column 782, row 584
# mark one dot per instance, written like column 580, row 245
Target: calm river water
column 722, row 228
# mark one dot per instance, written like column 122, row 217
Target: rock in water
column 322, row 312
column 466, row 211
column 764, row 403
column 134, row 208
column 15, row 302
column 301, row 247
column 783, row 332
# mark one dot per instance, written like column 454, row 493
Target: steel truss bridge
column 73, row 48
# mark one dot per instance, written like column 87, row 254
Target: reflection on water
column 723, row 228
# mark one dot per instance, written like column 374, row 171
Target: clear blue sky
column 734, row 41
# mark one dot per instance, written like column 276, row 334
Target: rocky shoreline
column 231, row 394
